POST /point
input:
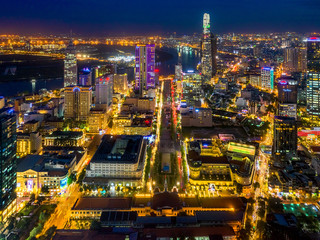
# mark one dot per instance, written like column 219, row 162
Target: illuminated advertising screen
column 63, row 182
column 30, row 185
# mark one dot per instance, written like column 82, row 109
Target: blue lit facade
column 267, row 78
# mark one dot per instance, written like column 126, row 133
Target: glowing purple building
column 144, row 68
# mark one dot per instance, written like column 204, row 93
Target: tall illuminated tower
column 144, row 68
column 77, row 102
column 313, row 80
column 70, row 65
column 267, row 78
column 8, row 176
column 104, row 91
column 208, row 50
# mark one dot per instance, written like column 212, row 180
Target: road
column 62, row 213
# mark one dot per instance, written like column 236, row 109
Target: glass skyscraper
column 8, row 144
column 285, row 136
column 208, row 50
column 144, row 67
column 313, row 77
column 70, row 66
column 267, row 78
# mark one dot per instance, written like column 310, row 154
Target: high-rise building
column 8, row 175
column 77, row 102
column 104, row 91
column 267, row 78
column 313, row 78
column 145, row 68
column 178, row 72
column 208, row 50
column 287, row 96
column 85, row 77
column 313, row 54
column 285, row 136
column 191, row 89
column 295, row 59
column 120, row 83
column 102, row 70
column 70, row 65
column 2, row 102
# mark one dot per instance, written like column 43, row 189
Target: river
column 188, row 58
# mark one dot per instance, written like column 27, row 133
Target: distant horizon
column 164, row 34
column 101, row 18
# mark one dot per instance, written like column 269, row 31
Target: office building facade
column 78, row 101
column 120, row 83
column 144, row 68
column 267, row 78
column 313, row 77
column 85, row 77
column 285, row 136
column 70, row 65
column 287, row 97
column 295, row 59
column 119, row 157
column 104, row 91
column 8, row 175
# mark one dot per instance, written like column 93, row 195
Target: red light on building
column 156, row 70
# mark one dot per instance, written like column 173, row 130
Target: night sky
column 119, row 17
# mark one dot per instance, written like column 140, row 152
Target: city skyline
column 105, row 18
column 196, row 136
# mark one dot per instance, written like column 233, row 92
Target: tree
column 239, row 188
column 95, row 225
column 72, row 178
column 275, row 205
column 48, row 234
column 249, row 210
column 261, row 225
column 32, row 197
column 81, row 176
column 45, row 189
column 256, row 185
column 261, row 212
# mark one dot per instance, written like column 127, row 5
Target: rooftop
column 102, row 203
column 66, row 134
column 166, row 199
column 223, row 202
column 121, row 148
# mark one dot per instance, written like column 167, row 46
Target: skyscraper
column 8, row 144
column 144, row 68
column 285, row 136
column 267, row 78
column 208, row 50
column 287, row 96
column 313, row 77
column 70, row 65
column 85, row 77
column 77, row 102
column 104, row 91
column 120, row 83
column 178, row 72
column 295, row 59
